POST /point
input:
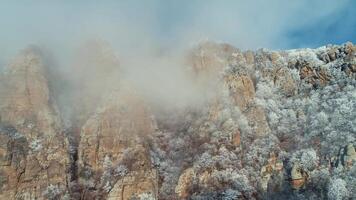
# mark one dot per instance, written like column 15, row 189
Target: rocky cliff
column 33, row 147
column 279, row 125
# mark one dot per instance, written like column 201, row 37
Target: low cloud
column 149, row 38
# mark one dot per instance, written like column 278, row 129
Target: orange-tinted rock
column 350, row 156
column 236, row 138
column 298, row 177
column 305, row 72
column 282, row 78
column 274, row 167
column 257, row 120
column 36, row 160
column 313, row 76
column 274, row 57
column 249, row 57
column 140, row 181
column 241, row 89
column 297, row 183
column 208, row 60
column 184, row 183
column 120, row 124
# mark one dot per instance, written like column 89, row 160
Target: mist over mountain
column 177, row 100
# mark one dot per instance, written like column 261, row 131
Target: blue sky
column 275, row 24
column 337, row 28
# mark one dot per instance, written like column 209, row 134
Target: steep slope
column 33, row 148
column 274, row 125
column 113, row 151
column 277, row 130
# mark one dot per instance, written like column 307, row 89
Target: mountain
column 33, row 146
column 271, row 125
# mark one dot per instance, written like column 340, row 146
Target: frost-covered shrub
column 36, row 145
column 146, row 196
column 259, row 151
column 309, row 159
column 308, row 126
column 52, row 192
column 121, row 171
column 337, row 189
column 233, row 180
column 230, row 194
column 205, row 161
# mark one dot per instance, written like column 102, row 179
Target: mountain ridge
column 272, row 124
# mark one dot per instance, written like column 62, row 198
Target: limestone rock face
column 273, row 168
column 273, row 125
column 25, row 95
column 184, row 183
column 350, row 156
column 33, row 148
column 209, row 58
column 298, row 176
column 242, row 90
column 135, row 184
column 209, row 61
column 114, row 137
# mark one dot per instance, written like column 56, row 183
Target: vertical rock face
column 242, row 92
column 273, row 169
column 209, row 58
column 113, row 153
column 274, row 125
column 33, row 148
column 279, row 94
column 298, row 177
column 350, row 156
column 184, row 183
column 210, row 63
column 25, row 95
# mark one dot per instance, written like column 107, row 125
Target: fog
column 133, row 25
column 147, row 41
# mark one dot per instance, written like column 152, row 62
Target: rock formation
column 298, row 176
column 34, row 158
column 114, row 138
column 272, row 168
column 274, row 125
column 350, row 156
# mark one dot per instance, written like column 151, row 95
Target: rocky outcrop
column 185, row 183
column 298, row 176
column 34, row 158
column 350, row 156
column 273, row 125
column 272, row 170
column 114, row 137
column 209, row 62
column 25, row 96
column 208, row 59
